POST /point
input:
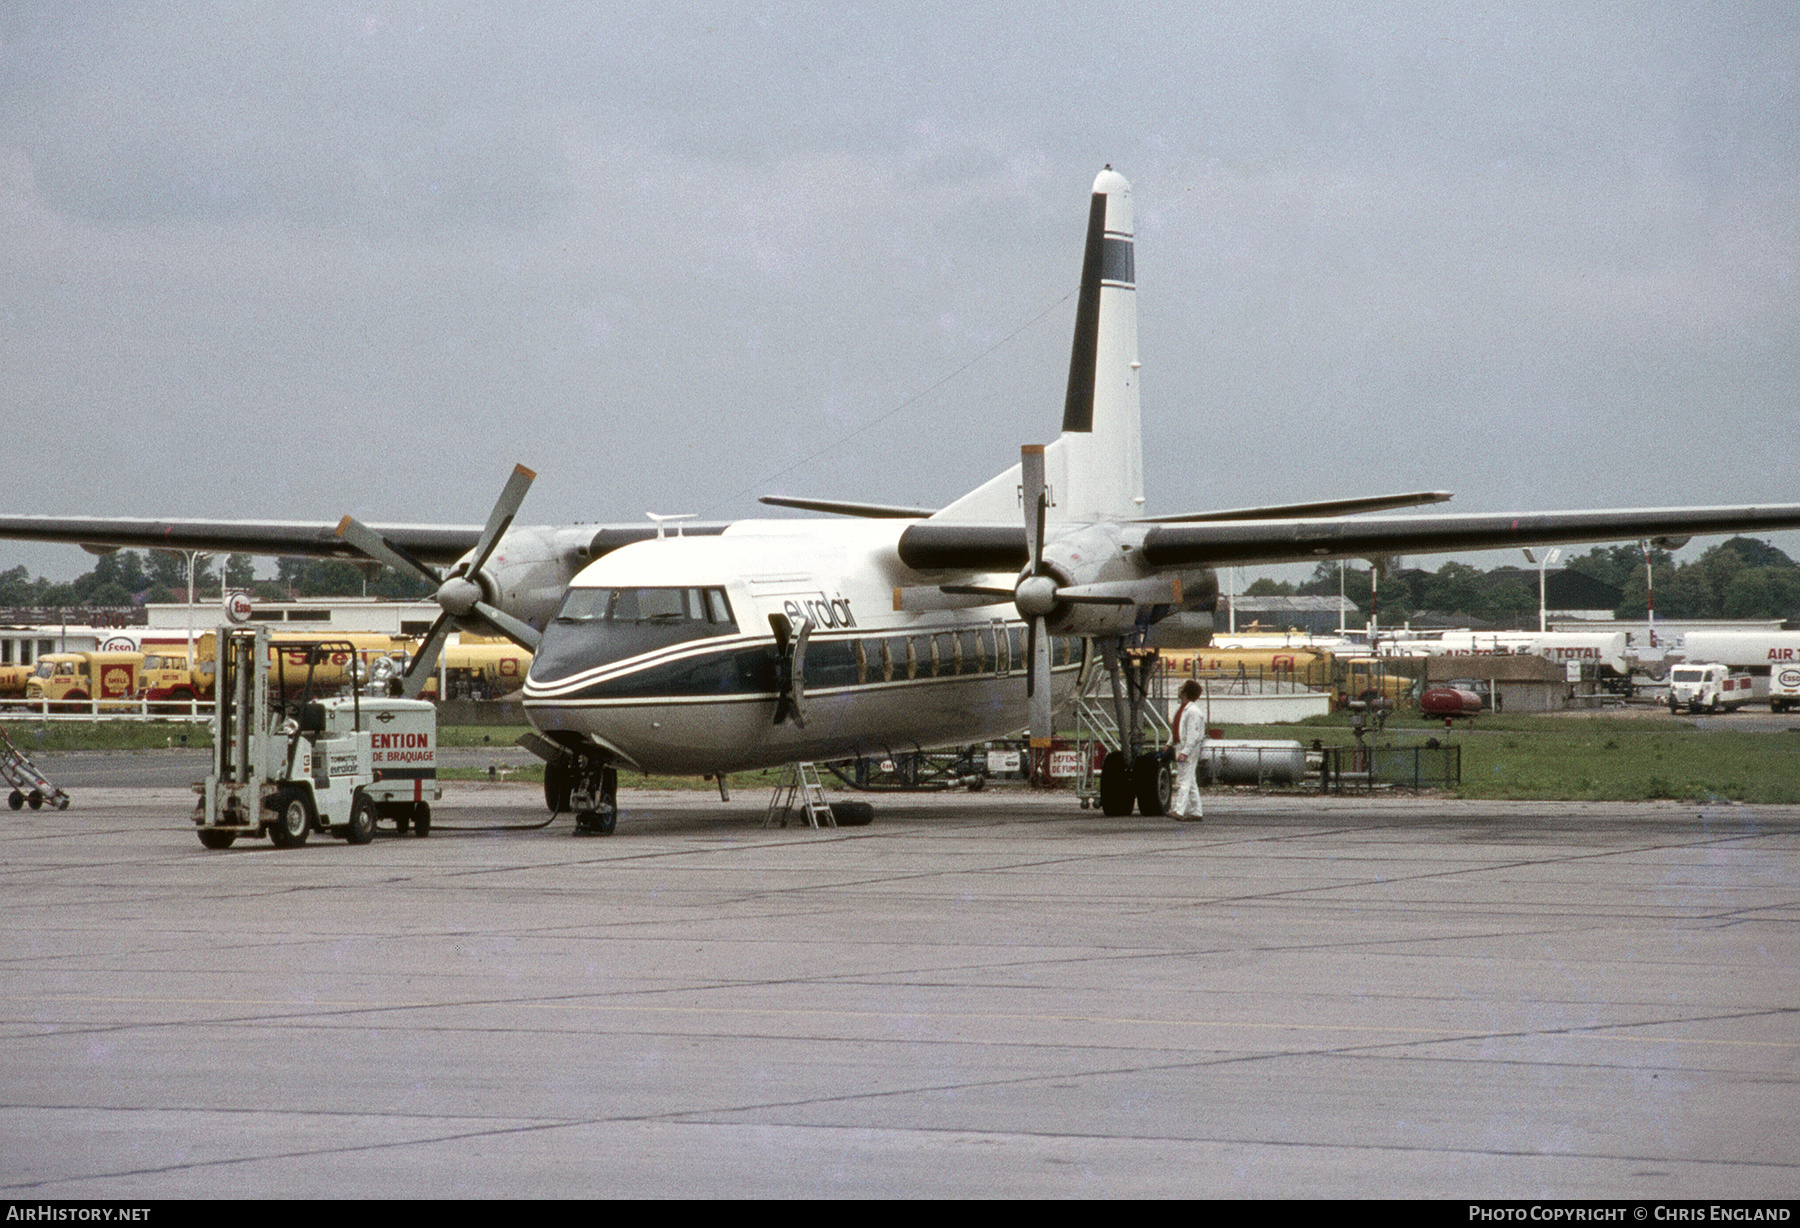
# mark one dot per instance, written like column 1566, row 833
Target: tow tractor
column 284, row 770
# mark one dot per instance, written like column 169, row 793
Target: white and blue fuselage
column 664, row 654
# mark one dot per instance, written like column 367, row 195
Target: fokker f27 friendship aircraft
column 727, row 647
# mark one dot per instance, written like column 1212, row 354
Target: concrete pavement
column 994, row 994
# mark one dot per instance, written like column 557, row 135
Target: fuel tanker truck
column 1770, row 658
column 477, row 667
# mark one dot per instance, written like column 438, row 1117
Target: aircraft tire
column 361, row 828
column 292, row 822
column 16, row 800
column 1115, row 785
column 35, row 800
column 1153, row 784
column 559, row 782
column 852, row 814
column 213, row 838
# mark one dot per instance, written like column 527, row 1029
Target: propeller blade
column 379, row 548
column 424, row 662
column 1157, row 590
column 501, row 518
column 920, row 598
column 1038, row 685
column 1031, row 486
column 517, row 630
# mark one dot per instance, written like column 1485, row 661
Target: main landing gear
column 1132, row 775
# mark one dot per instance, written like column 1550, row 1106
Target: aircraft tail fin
column 1095, row 468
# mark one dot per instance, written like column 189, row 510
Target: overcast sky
column 297, row 260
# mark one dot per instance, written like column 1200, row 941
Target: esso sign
column 237, row 607
column 1789, row 678
column 119, row 643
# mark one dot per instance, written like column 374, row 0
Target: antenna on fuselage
column 661, row 530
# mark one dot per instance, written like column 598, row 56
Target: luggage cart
column 30, row 787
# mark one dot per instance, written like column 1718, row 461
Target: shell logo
column 116, row 681
column 509, row 666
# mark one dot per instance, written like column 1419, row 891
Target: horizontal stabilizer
column 839, row 507
column 1324, row 507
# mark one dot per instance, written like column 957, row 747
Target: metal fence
column 1402, row 767
column 90, row 710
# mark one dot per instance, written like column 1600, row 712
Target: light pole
column 1548, row 560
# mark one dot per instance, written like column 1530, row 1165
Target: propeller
column 459, row 593
column 1039, row 593
column 1035, row 594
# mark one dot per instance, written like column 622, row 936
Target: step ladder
column 800, row 785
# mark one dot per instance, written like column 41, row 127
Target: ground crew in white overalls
column 1190, row 732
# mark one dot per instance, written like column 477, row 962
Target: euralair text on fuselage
column 664, row 653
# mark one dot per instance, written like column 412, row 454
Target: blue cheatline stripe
column 746, row 672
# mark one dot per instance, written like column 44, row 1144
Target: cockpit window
column 704, row 606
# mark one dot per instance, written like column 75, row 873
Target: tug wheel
column 213, row 838
column 292, row 822
column 361, row 828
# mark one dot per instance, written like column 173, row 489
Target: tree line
column 131, row 577
column 1738, row 578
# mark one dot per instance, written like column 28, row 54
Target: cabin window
column 974, row 661
column 862, row 663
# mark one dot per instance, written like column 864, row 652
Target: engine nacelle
column 527, row 575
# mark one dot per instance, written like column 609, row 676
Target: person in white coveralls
column 1190, row 731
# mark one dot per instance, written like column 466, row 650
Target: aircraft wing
column 306, row 539
column 936, row 546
